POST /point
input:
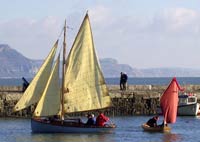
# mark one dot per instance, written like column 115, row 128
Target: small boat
column 156, row 129
column 169, row 105
column 188, row 105
column 82, row 87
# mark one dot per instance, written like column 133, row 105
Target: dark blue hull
column 39, row 126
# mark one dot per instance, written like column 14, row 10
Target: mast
column 63, row 73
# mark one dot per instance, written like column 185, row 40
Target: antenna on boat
column 63, row 73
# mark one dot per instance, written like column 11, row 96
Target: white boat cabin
column 187, row 99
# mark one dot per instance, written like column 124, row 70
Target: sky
column 141, row 33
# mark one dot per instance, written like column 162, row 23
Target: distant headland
column 15, row 65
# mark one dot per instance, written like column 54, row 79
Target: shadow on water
column 62, row 137
column 128, row 136
column 170, row 137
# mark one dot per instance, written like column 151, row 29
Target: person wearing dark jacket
column 153, row 121
column 121, row 80
column 125, row 78
column 90, row 120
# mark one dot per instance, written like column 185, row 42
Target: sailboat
column 168, row 104
column 82, row 88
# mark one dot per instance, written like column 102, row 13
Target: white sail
column 85, row 87
column 49, row 103
column 37, row 85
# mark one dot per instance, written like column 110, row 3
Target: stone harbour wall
column 136, row 100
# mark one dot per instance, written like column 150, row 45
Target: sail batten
column 37, row 85
column 49, row 103
column 83, row 77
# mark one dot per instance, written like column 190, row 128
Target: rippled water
column 128, row 130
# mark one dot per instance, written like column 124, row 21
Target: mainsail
column 49, row 104
column 169, row 102
column 85, row 87
column 35, row 89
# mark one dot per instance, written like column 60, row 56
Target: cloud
column 177, row 21
column 148, row 41
column 101, row 16
column 141, row 41
column 30, row 37
column 180, row 17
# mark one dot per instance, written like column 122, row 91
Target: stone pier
column 136, row 100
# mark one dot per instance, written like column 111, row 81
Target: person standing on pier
column 125, row 77
column 123, row 81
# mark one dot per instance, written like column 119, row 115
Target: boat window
column 182, row 100
column 190, row 100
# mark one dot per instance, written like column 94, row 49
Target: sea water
column 115, row 81
column 128, row 130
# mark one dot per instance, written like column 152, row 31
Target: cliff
column 15, row 65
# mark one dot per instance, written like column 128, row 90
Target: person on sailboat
column 101, row 119
column 153, row 121
column 90, row 120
